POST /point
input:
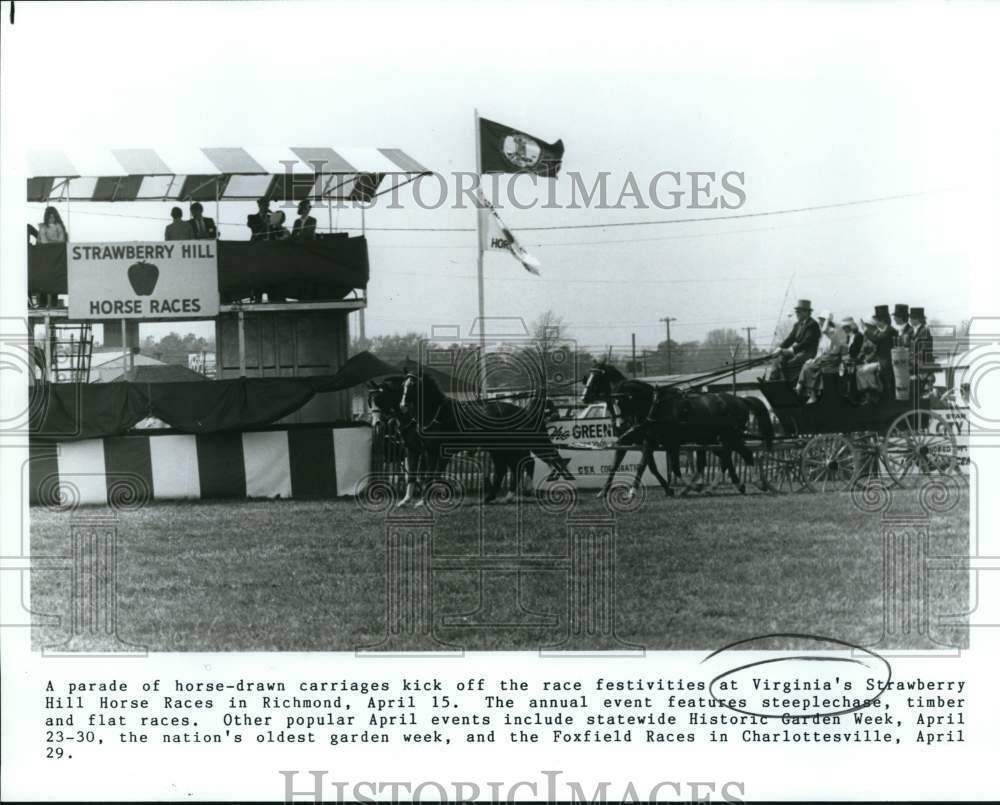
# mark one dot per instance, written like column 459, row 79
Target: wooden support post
column 48, row 348
column 124, row 352
column 241, row 337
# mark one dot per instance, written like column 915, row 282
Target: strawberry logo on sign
column 143, row 276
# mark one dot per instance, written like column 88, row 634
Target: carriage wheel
column 830, row 462
column 781, row 468
column 919, row 443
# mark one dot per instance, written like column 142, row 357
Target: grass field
column 691, row 573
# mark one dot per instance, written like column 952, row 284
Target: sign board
column 202, row 362
column 590, row 468
column 143, row 280
column 591, row 432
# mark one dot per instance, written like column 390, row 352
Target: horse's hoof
column 742, row 488
column 630, row 495
column 669, row 492
column 418, row 504
column 601, row 494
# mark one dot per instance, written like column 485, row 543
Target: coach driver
column 800, row 345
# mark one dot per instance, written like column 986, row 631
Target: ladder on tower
column 71, row 346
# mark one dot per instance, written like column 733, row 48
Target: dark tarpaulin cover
column 88, row 411
column 311, row 269
column 360, row 369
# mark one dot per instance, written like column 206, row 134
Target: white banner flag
column 499, row 238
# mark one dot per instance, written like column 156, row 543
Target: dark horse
column 667, row 417
column 406, row 445
column 508, row 432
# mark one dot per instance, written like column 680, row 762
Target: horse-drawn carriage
column 835, row 442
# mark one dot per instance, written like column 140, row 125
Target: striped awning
column 207, row 174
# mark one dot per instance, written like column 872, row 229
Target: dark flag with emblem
column 506, row 150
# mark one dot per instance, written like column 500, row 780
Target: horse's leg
column 697, row 482
column 747, row 455
column 644, row 461
column 724, row 454
column 491, row 481
column 506, row 467
column 432, row 466
column 728, row 447
column 619, row 458
column 411, row 465
column 526, row 473
column 651, row 461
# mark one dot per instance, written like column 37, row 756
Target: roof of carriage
column 227, row 173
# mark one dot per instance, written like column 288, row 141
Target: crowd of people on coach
column 860, row 351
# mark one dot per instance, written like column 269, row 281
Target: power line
column 610, row 225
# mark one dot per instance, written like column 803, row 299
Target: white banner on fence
column 590, row 468
column 143, row 280
column 595, row 432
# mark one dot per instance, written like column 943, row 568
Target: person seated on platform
column 832, row 346
column 922, row 350
column 277, row 226
column 304, row 227
column 51, row 229
column 799, row 346
column 901, row 323
column 875, row 372
column 201, row 228
column 178, row 228
column 260, row 221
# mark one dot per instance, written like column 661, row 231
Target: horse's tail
column 763, row 417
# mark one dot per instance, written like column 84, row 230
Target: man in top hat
column 800, row 345
column 875, row 372
column 901, row 321
column 832, row 346
column 921, row 348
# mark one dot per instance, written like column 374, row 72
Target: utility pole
column 749, row 348
column 666, row 320
column 633, row 356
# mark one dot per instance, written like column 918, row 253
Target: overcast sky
column 814, row 104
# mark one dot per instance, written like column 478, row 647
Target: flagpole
column 479, row 260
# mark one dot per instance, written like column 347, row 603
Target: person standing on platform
column 260, row 221
column 51, row 229
column 201, row 228
column 178, row 228
column 304, row 227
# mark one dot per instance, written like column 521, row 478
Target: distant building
column 110, row 366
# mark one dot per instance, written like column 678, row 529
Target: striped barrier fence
column 293, row 462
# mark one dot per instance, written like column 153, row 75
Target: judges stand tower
column 280, row 306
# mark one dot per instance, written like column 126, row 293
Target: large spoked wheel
column 919, row 443
column 830, row 463
column 781, row 467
